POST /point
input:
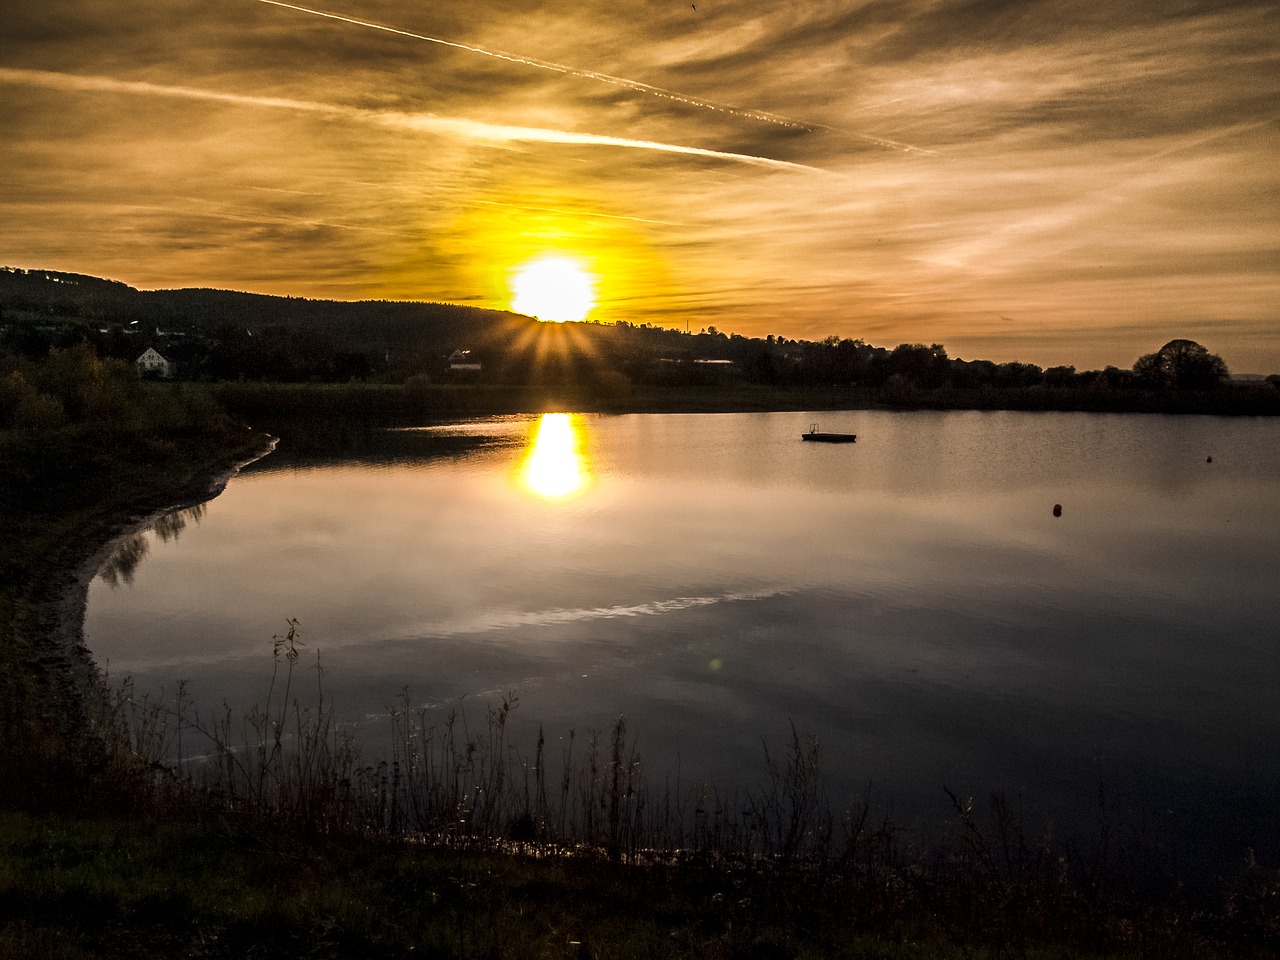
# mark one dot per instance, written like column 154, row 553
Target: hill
column 45, row 304
column 222, row 335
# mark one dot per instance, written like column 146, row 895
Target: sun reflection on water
column 555, row 467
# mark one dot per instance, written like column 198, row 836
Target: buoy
column 1057, row 509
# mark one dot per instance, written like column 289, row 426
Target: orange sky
column 1052, row 181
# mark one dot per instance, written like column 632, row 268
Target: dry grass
column 776, row 868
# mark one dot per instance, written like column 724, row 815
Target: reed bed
column 457, row 783
column 289, row 768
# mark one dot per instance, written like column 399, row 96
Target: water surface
column 910, row 599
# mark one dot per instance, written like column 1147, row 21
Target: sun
column 553, row 288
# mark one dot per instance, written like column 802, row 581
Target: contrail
column 469, row 129
column 504, row 133
column 623, row 82
column 556, row 68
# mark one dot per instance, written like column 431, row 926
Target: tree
column 1181, row 365
column 920, row 365
column 1063, row 376
column 1015, row 374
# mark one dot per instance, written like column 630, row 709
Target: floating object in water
column 1208, row 459
column 817, row 437
column 1057, row 509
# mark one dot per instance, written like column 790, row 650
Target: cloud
column 905, row 170
column 527, row 61
column 472, row 129
column 636, row 86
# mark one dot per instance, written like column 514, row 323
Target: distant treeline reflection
column 319, row 441
column 120, row 566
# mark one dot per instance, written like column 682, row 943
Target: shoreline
column 72, row 596
column 265, row 401
column 53, row 673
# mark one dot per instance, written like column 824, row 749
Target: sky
column 1049, row 181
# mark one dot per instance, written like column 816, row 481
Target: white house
column 462, row 360
column 151, row 363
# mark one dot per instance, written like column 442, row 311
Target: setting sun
column 553, row 288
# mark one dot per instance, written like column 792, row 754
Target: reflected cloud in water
column 556, row 466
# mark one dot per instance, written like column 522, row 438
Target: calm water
column 910, row 600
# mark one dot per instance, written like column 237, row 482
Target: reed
column 448, row 782
column 779, row 857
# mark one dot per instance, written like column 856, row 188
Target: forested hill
column 362, row 325
column 218, row 335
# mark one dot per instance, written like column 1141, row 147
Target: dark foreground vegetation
column 282, row 841
column 86, row 448
column 462, row 840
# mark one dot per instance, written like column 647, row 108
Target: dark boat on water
column 816, row 437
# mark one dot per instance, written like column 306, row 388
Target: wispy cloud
column 622, row 82
column 473, row 129
column 554, row 67
column 897, row 169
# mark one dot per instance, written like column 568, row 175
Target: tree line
column 226, row 336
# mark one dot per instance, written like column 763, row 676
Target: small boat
column 816, row 437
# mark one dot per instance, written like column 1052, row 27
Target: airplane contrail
column 477, row 130
column 636, row 85
column 554, row 67
column 470, row 129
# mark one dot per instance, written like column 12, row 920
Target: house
column 461, row 360
column 152, row 364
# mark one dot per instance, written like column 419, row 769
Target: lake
column 911, row 600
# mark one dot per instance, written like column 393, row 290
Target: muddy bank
column 47, row 675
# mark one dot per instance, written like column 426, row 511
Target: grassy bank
column 418, row 401
column 283, row 840
column 316, row 865
column 113, row 887
column 86, row 451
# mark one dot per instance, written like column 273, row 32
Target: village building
column 462, row 361
column 153, row 364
